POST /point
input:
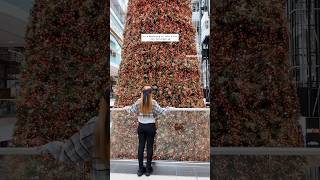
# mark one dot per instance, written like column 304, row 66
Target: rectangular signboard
column 160, row 37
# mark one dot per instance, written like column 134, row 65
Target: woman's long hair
column 102, row 133
column 146, row 96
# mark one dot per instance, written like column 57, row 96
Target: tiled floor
column 117, row 176
column 168, row 170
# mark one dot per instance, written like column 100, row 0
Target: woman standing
column 147, row 110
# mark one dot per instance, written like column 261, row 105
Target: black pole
column 308, row 43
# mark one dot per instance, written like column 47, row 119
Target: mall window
column 195, row 7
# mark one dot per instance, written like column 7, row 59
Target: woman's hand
column 125, row 108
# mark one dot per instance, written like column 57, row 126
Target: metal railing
column 294, row 151
column 266, row 162
column 30, row 163
column 20, row 151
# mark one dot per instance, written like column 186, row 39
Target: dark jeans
column 146, row 133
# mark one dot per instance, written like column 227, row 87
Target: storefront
column 10, row 59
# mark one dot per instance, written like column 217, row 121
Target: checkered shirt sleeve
column 79, row 148
column 134, row 109
column 157, row 110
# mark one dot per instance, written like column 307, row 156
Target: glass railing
column 28, row 163
column 265, row 163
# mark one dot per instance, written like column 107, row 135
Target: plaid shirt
column 80, row 148
column 147, row 118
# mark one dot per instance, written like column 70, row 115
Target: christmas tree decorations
column 254, row 101
column 64, row 71
column 170, row 66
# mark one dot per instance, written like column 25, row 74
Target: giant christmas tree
column 64, row 71
column 254, row 101
column 172, row 67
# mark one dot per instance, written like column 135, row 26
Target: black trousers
column 146, row 133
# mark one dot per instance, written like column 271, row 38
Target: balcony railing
column 271, row 151
column 28, row 163
column 265, row 163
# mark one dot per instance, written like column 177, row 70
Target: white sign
column 160, row 37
